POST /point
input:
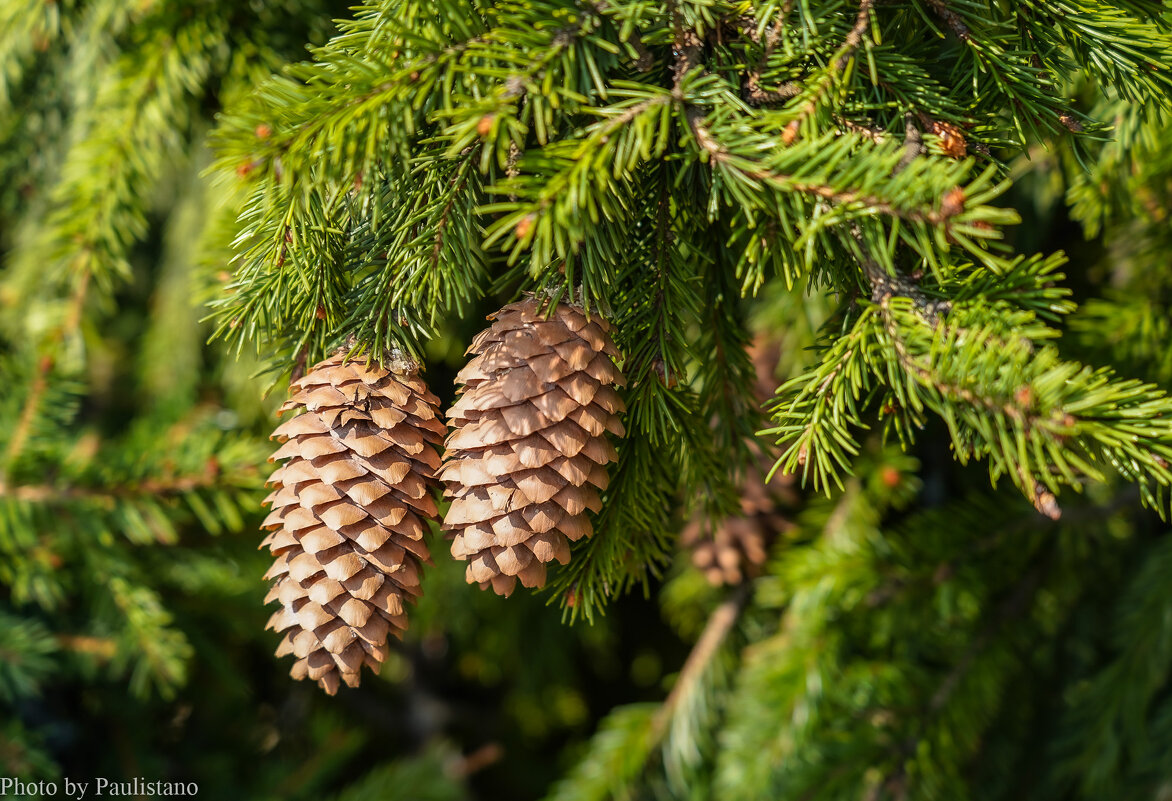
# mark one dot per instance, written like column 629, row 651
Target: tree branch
column 720, row 155
column 716, row 630
column 951, row 19
column 40, row 382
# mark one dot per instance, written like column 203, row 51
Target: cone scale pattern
column 528, row 451
column 349, row 512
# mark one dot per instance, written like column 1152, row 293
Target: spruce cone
column 737, row 547
column 348, row 515
column 528, row 450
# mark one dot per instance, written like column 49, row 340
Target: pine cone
column 527, row 454
column 736, row 547
column 348, row 515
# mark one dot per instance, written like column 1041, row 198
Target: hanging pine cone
column 734, row 549
column 348, row 516
column 528, row 450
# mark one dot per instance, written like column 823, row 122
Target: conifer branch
column 718, row 628
column 40, row 382
column 151, row 488
column 750, row 171
column 1009, row 610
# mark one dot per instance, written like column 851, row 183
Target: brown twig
column 103, row 648
column 872, row 132
column 854, row 37
column 686, row 49
column 49, row 494
column 299, row 364
column 716, row 630
column 753, row 91
column 484, row 756
column 951, row 19
column 456, row 184
column 644, row 60
column 913, row 144
column 757, row 96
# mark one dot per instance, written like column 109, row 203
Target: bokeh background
column 132, row 462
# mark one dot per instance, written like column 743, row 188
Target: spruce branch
column 1111, row 44
column 1039, row 421
column 635, row 739
column 713, row 636
column 678, row 721
column 1009, row 611
column 752, row 172
column 40, row 382
column 1104, row 724
column 1011, row 608
column 150, row 91
column 26, row 28
column 1015, row 74
column 754, row 93
column 52, row 495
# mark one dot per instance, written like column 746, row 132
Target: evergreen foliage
column 844, row 179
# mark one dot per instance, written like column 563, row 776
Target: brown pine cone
column 348, row 516
column 734, row 549
column 528, row 450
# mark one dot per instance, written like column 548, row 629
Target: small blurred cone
column 734, row 549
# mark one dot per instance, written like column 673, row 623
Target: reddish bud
column 952, row 140
column 1047, row 504
column 953, row 203
column 790, row 134
column 1071, row 122
column 667, row 378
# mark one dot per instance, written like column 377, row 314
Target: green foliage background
column 974, row 599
